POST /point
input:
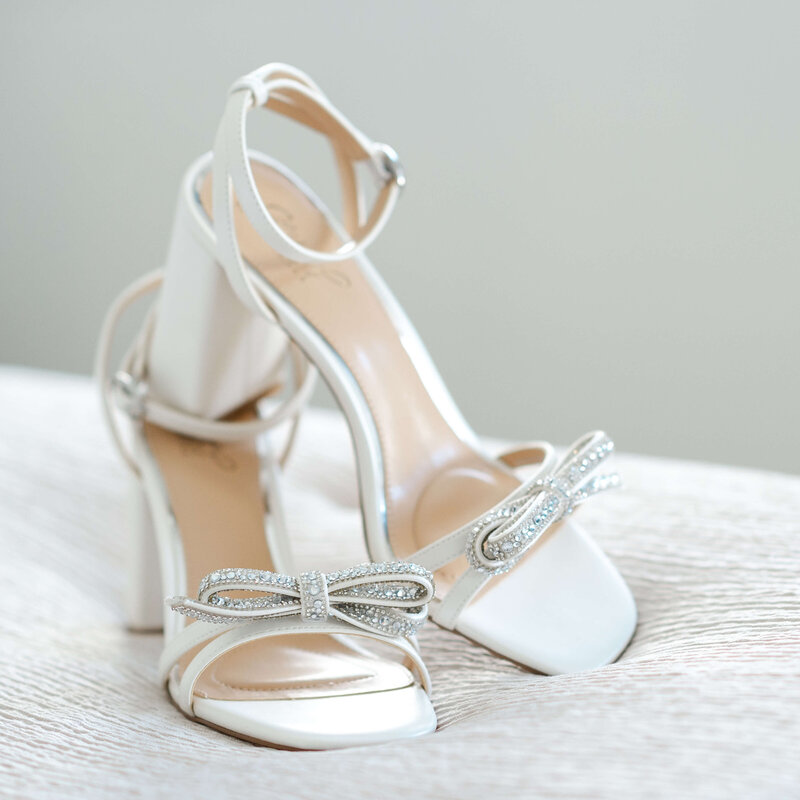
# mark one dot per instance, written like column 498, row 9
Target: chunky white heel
column 313, row 660
column 207, row 354
column 144, row 599
column 514, row 571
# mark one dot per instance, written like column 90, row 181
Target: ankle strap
column 288, row 91
column 128, row 390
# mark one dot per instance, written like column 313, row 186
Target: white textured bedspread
column 705, row 702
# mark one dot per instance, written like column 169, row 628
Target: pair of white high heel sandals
column 262, row 289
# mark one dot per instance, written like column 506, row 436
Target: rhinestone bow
column 500, row 538
column 389, row 598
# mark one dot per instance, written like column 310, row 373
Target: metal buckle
column 130, row 394
column 390, row 163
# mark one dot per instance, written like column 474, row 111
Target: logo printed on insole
column 298, row 271
column 216, row 452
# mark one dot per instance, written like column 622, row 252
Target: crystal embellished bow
column 389, row 598
column 500, row 538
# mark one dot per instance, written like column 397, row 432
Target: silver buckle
column 390, row 163
column 129, row 394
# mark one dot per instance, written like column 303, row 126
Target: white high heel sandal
column 514, row 572
column 270, row 656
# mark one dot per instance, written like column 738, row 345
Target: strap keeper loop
column 255, row 84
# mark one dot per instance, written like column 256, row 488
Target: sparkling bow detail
column 500, row 538
column 389, row 598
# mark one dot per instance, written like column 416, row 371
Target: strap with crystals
column 496, row 541
column 386, row 599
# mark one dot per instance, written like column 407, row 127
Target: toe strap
column 384, row 601
column 496, row 541
column 234, row 635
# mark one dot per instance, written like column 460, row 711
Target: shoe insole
column 215, row 496
column 434, row 482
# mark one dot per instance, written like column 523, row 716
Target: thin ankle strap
column 293, row 94
column 128, row 389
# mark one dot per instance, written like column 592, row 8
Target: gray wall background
column 601, row 223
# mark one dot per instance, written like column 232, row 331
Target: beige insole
column 214, row 493
column 434, row 482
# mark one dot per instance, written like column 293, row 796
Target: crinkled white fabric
column 705, row 703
